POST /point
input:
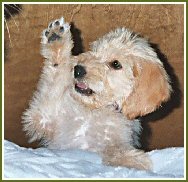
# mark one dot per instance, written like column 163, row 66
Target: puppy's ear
column 150, row 90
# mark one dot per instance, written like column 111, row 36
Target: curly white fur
column 102, row 121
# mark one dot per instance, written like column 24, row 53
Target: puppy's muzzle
column 79, row 71
column 80, row 85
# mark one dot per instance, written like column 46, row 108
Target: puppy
column 90, row 101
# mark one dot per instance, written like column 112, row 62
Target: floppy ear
column 150, row 90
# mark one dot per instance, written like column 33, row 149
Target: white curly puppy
column 90, row 101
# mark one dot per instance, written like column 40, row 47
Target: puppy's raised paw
column 55, row 31
column 56, row 41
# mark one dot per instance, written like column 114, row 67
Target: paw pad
column 53, row 37
column 55, row 31
column 57, row 23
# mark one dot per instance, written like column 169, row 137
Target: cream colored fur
column 103, row 122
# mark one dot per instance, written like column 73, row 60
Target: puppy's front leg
column 56, row 42
column 40, row 119
column 117, row 156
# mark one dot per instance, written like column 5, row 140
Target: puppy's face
column 116, row 74
column 99, row 82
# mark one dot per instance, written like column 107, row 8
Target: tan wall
column 163, row 24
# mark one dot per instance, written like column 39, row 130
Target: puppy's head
column 121, row 71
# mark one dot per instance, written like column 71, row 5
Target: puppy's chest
column 79, row 127
column 91, row 132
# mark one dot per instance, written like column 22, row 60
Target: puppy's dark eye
column 116, row 65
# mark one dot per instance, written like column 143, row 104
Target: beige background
column 163, row 24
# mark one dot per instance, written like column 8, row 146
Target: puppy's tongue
column 81, row 85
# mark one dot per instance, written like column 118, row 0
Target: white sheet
column 21, row 162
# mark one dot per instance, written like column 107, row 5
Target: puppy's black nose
column 79, row 71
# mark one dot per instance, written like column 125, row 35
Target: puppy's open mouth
column 82, row 88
